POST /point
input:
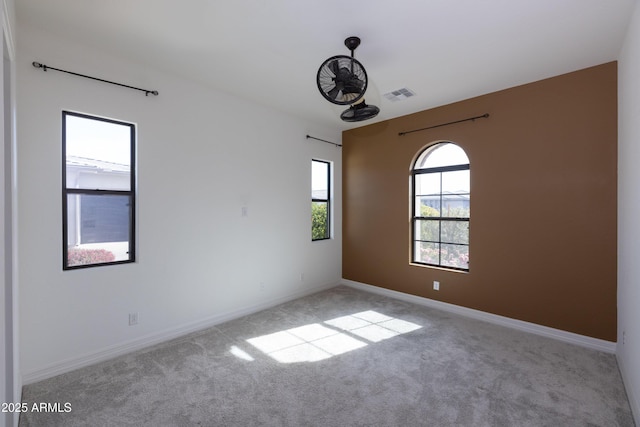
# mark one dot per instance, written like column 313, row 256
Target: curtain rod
column 46, row 67
column 323, row 140
column 484, row 116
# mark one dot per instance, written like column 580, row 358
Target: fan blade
column 333, row 66
column 333, row 93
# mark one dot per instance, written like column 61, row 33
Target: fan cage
column 347, row 94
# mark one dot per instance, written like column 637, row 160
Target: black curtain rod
column 328, row 142
column 484, row 116
column 46, row 67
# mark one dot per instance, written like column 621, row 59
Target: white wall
column 203, row 155
column 10, row 384
column 629, row 213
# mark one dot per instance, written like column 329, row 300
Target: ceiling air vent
column 399, row 95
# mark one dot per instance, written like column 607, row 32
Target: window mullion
column 440, row 226
column 97, row 192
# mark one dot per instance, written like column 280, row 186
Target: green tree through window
column 319, row 221
column 320, row 199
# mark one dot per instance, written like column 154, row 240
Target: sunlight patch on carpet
column 240, row 353
column 314, row 342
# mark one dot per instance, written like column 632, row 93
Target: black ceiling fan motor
column 359, row 112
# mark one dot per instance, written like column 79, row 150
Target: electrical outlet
column 436, row 285
column 133, row 319
column 624, row 337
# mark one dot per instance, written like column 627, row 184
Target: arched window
column 440, row 205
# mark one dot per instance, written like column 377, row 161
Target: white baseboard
column 159, row 337
column 632, row 394
column 569, row 337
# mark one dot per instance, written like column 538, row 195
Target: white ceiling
column 270, row 51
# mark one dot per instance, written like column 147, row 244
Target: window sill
column 435, row 267
column 321, row 240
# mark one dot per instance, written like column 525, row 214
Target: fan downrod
column 352, row 43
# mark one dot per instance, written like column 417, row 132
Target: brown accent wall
column 543, row 202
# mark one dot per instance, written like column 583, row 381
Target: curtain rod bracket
column 46, row 67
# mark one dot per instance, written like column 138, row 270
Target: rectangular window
column 320, row 197
column 441, row 217
column 98, row 191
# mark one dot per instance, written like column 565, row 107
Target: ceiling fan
column 342, row 80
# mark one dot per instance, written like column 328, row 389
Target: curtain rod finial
column 39, row 65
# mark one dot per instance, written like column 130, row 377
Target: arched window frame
column 451, row 245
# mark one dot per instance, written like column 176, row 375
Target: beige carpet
column 344, row 357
